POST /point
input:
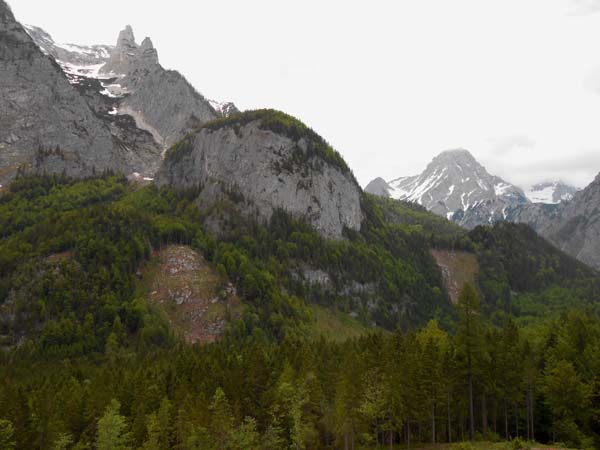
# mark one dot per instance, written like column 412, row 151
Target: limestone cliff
column 267, row 160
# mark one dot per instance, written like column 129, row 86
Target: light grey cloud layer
column 504, row 146
column 585, row 6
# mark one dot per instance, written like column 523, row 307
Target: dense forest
column 87, row 363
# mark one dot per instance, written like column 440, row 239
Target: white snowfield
column 552, row 192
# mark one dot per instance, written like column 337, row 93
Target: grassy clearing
column 336, row 325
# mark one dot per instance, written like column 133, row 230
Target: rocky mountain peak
column 378, row 187
column 453, row 183
column 129, row 56
column 148, row 53
column 457, row 154
column 457, row 160
column 126, row 38
column 147, row 44
column 5, row 9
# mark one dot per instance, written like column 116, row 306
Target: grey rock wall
column 248, row 160
column 40, row 111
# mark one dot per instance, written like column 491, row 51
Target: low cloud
column 505, row 145
column 592, row 81
column 578, row 169
column 583, row 7
column 588, row 160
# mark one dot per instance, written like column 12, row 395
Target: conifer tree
column 112, row 429
column 7, row 435
column 221, row 418
column 469, row 343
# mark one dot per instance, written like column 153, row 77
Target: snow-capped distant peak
column 454, row 182
column 550, row 192
column 225, row 109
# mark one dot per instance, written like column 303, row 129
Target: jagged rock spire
column 126, row 38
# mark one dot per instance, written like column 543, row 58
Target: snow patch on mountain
column 224, row 109
column 73, row 71
column 550, row 192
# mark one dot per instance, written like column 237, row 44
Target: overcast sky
column 389, row 84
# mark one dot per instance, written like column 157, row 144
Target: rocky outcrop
column 45, row 124
column 266, row 160
column 378, row 187
column 165, row 104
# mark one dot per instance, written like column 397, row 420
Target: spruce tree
column 112, row 429
column 469, row 343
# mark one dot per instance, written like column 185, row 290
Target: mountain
column 550, row 192
column 254, row 296
column 47, row 125
column 455, row 185
column 573, row 226
column 162, row 102
column 82, row 110
column 264, row 160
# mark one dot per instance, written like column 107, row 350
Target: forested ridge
column 88, row 363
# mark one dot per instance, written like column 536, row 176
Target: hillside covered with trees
column 89, row 363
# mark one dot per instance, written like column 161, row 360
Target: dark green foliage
column 523, row 274
column 441, row 232
column 180, row 150
column 260, row 394
column 95, row 363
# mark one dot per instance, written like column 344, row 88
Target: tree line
column 478, row 381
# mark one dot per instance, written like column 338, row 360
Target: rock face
column 378, row 187
column 45, row 124
column 573, row 226
column 456, row 186
column 262, row 167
